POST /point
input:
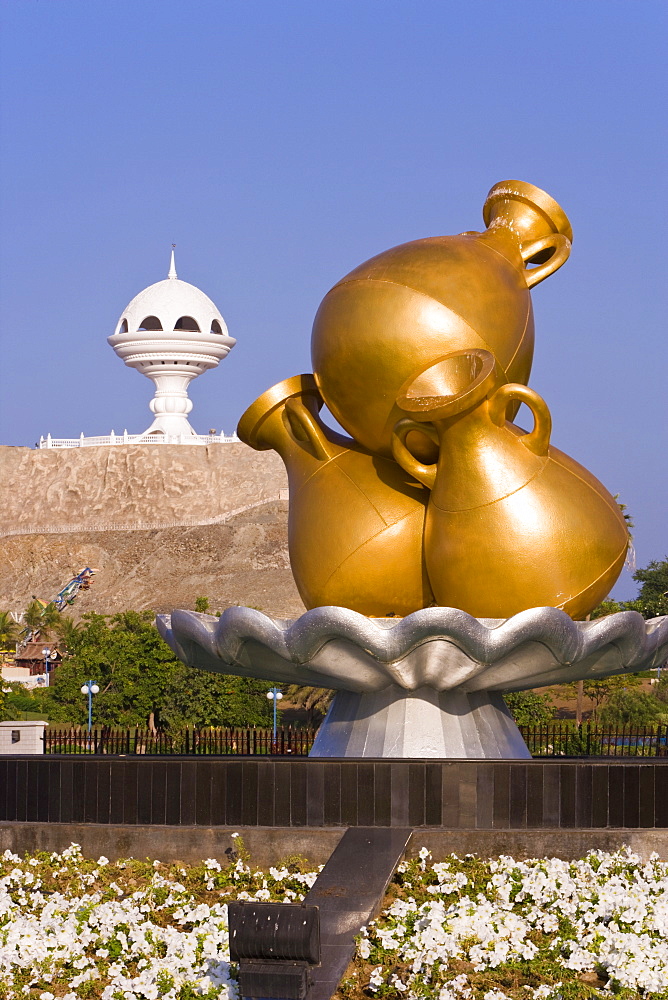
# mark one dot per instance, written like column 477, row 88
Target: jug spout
column 356, row 520
column 285, row 419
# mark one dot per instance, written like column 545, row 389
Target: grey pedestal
column 421, row 723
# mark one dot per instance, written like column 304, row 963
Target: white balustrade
column 116, row 439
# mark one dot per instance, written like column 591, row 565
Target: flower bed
column 531, row 930
column 75, row 928
column 464, row 929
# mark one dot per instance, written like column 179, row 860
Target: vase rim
column 424, row 405
column 533, row 196
column 248, row 428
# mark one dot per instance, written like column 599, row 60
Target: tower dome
column 171, row 332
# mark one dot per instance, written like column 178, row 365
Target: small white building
column 22, row 737
column 171, row 332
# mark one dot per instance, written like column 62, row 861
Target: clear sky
column 281, row 143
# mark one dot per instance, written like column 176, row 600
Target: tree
column 199, row 698
column 608, row 607
column 19, row 700
column 126, row 657
column 653, row 596
column 67, row 631
column 40, row 617
column 9, row 631
column 202, row 605
column 632, row 708
column 143, row 684
column 529, row 708
column 600, row 691
column 314, row 700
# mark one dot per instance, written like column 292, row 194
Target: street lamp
column 90, row 689
column 274, row 695
column 48, row 655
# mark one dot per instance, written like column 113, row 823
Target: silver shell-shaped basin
column 440, row 648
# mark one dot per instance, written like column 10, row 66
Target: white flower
column 376, row 979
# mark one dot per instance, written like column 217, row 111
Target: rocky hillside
column 242, row 559
column 131, row 484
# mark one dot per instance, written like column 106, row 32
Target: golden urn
column 405, row 308
column 422, row 354
column 356, row 520
column 512, row 522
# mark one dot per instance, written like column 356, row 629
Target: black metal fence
column 552, row 740
column 587, row 740
column 219, row 742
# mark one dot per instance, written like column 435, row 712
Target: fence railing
column 215, row 742
column 552, row 740
column 125, row 438
column 587, row 740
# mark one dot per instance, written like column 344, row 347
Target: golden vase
column 405, row 308
column 512, row 522
column 356, row 520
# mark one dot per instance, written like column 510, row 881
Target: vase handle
column 300, row 415
column 561, row 247
column 537, row 440
column 425, row 474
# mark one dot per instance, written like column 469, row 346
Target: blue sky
column 279, row 144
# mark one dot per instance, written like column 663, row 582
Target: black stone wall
column 279, row 792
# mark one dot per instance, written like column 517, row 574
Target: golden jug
column 512, row 522
column 405, row 308
column 356, row 520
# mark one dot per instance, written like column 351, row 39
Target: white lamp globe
column 84, row 689
column 95, row 689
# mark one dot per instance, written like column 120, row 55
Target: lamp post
column 47, row 654
column 274, row 695
column 90, row 689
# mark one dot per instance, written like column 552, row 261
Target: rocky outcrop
column 80, row 497
column 130, row 484
column 242, row 561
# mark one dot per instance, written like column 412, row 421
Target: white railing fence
column 125, row 438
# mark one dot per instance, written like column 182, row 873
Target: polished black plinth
column 277, row 792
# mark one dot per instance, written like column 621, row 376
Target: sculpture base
column 420, row 723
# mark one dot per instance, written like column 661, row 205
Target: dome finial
column 172, row 266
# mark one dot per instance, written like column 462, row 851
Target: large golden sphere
column 406, row 307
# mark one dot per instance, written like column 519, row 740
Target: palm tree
column 315, row 700
column 9, row 631
column 40, row 617
column 67, row 631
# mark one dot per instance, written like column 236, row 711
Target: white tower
column 171, row 332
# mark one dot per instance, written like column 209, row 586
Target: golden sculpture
column 422, row 354
column 503, row 499
column 409, row 306
column 356, row 520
